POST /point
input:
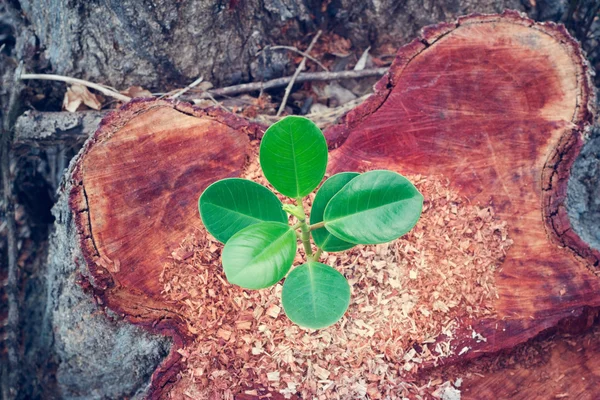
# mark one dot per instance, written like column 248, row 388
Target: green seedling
column 348, row 209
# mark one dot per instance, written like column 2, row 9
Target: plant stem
column 297, row 226
column 316, row 226
column 317, row 254
column 306, row 240
column 305, row 230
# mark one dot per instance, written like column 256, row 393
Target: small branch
column 216, row 103
column 316, row 226
column 322, row 119
column 288, row 89
column 317, row 254
column 188, row 87
column 102, row 89
column 295, row 50
column 279, row 82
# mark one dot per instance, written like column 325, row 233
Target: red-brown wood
column 135, row 194
column 496, row 104
column 499, row 105
column 560, row 367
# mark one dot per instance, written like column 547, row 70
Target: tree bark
column 498, row 105
column 95, row 353
column 163, row 44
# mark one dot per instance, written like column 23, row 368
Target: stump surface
column 135, row 198
column 499, row 106
column 496, row 105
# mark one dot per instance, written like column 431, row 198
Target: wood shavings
column 408, row 297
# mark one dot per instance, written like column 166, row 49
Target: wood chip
column 273, row 311
column 406, row 295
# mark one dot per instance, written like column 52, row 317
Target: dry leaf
column 136, row 91
column 362, row 61
column 78, row 95
column 333, row 44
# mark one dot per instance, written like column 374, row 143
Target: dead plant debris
column 408, row 297
column 78, row 97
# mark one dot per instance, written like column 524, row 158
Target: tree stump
column 134, row 198
column 501, row 107
column 497, row 105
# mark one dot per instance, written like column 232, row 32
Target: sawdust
column 408, row 296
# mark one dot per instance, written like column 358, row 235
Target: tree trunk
column 497, row 105
column 96, row 353
column 165, row 44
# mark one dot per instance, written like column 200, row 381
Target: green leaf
column 293, row 156
column 260, row 255
column 315, row 295
column 375, row 207
column 229, row 205
column 330, row 187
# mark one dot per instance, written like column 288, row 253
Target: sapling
column 348, row 209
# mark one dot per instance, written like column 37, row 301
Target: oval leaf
column 229, row 205
column 259, row 255
column 375, row 207
column 322, row 237
column 293, row 156
column 315, row 295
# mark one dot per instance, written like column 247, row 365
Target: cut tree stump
column 497, row 105
column 135, row 192
column 560, row 367
column 500, row 106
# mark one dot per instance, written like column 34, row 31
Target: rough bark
column 39, row 128
column 161, row 44
column 97, row 354
column 583, row 203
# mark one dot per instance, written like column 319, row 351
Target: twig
column 321, row 119
column 275, row 83
column 12, row 287
column 102, row 89
column 288, row 89
column 216, row 103
column 188, row 87
column 295, row 50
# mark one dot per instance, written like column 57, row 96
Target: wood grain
column 500, row 106
column 137, row 185
column 559, row 367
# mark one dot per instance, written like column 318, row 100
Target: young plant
column 348, row 209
